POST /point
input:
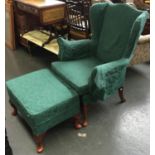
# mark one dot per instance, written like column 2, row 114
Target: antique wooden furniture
column 9, row 25
column 78, row 18
column 47, row 11
column 32, row 14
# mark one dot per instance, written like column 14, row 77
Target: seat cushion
column 42, row 99
column 76, row 73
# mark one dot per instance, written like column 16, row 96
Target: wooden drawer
column 52, row 15
column 28, row 9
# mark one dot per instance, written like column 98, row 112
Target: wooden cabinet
column 48, row 11
column 32, row 14
column 9, row 25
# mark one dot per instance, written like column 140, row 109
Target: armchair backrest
column 116, row 29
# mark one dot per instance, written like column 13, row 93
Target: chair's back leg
column 85, row 115
column 121, row 94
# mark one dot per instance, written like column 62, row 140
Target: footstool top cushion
column 41, row 96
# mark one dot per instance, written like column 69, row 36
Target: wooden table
column 35, row 13
column 48, row 11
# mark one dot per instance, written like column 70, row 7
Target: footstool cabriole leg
column 77, row 121
column 14, row 112
column 121, row 94
column 39, row 142
column 85, row 115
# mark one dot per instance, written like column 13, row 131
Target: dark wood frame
column 10, row 40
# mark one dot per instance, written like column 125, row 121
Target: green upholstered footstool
column 43, row 101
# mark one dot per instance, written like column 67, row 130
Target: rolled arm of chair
column 107, row 78
column 75, row 49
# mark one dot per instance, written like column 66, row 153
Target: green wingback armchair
column 96, row 67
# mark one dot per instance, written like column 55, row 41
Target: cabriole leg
column 77, row 121
column 14, row 112
column 121, row 94
column 39, row 142
column 85, row 115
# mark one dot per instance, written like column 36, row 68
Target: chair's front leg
column 121, row 94
column 77, row 121
column 85, row 115
column 39, row 141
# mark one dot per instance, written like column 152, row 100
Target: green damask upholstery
column 77, row 72
column 115, row 31
column 42, row 99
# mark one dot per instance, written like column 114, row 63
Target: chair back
column 119, row 29
column 78, row 18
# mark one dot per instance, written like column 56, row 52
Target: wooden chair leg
column 14, row 112
column 39, row 142
column 121, row 94
column 77, row 121
column 85, row 115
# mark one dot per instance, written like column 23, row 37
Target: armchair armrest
column 107, row 78
column 75, row 49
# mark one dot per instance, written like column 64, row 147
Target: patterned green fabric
column 107, row 78
column 42, row 99
column 72, row 50
column 115, row 31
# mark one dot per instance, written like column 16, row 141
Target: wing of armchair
column 96, row 68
